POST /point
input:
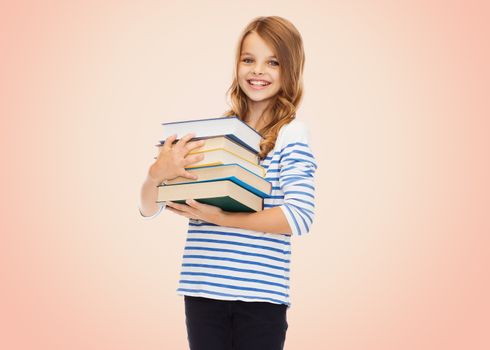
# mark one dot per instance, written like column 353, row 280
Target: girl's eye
column 249, row 59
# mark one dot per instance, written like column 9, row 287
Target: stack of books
column 229, row 176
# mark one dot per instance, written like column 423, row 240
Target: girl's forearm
column 270, row 220
column 148, row 197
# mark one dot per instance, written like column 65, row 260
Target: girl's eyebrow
column 248, row 53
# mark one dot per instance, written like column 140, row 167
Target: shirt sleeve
column 297, row 166
column 162, row 206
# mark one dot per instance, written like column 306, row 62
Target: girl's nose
column 258, row 69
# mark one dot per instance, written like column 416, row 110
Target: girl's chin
column 252, row 99
column 262, row 93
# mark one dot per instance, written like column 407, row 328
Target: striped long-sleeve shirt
column 238, row 264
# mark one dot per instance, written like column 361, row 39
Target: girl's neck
column 255, row 119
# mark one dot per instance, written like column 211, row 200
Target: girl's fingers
column 188, row 174
column 182, row 209
column 194, row 144
column 193, row 158
column 169, row 208
column 174, row 207
column 201, row 207
column 181, row 213
column 168, row 142
column 195, row 204
column 185, row 139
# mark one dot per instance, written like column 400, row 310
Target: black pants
column 233, row 324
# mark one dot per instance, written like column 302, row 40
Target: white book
column 232, row 127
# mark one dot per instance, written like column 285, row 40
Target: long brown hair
column 283, row 37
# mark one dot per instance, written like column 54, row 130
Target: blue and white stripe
column 236, row 264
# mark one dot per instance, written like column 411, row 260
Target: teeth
column 262, row 83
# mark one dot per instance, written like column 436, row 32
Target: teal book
column 225, row 194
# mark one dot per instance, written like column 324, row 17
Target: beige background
column 396, row 97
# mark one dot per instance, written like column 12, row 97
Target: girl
column 235, row 271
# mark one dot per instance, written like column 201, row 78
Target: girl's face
column 257, row 62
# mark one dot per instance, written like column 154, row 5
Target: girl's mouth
column 259, row 86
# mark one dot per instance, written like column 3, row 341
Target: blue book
column 232, row 127
column 231, row 172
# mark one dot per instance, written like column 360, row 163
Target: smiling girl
column 236, row 266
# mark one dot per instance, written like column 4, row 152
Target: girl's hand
column 197, row 211
column 172, row 159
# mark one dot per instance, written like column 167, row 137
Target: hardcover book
column 224, row 194
column 223, row 156
column 223, row 142
column 232, row 127
column 233, row 172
